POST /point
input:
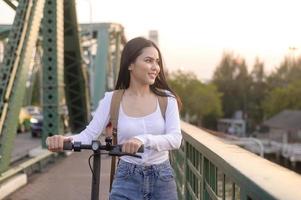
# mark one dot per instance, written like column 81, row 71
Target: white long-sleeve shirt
column 158, row 135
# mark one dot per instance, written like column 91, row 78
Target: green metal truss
column 17, row 59
column 53, row 68
column 10, row 4
column 75, row 76
column 62, row 63
column 110, row 41
column 4, row 31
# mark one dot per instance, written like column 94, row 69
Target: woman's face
column 146, row 67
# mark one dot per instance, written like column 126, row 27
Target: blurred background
column 236, row 66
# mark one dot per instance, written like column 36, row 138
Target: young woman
column 140, row 122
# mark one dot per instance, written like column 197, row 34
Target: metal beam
column 75, row 76
column 110, row 41
column 53, row 66
column 13, row 74
column 101, row 64
column 4, row 34
column 13, row 6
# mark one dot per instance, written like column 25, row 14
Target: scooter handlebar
column 68, row 146
column 114, row 149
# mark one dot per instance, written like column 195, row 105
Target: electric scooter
column 96, row 147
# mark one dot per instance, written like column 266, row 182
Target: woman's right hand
column 55, row 143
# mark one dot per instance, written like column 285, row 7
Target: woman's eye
column 148, row 60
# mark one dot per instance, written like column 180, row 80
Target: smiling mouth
column 153, row 75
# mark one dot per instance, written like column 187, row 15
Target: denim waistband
column 138, row 168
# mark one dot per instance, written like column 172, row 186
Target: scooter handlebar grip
column 68, row 146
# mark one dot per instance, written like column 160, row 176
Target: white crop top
column 158, row 135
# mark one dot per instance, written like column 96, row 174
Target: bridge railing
column 208, row 168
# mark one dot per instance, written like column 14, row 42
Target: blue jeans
column 137, row 182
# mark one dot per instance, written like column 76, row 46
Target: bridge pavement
column 68, row 178
column 23, row 144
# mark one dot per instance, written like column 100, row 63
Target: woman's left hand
column 131, row 146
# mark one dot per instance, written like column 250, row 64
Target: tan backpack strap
column 113, row 168
column 163, row 105
column 114, row 109
column 114, row 113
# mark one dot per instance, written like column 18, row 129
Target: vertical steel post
column 53, row 63
column 101, row 64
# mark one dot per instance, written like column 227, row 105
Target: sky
column 194, row 34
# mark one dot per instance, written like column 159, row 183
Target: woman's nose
column 155, row 66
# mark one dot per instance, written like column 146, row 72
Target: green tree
column 258, row 91
column 232, row 80
column 288, row 72
column 201, row 102
column 284, row 87
column 281, row 98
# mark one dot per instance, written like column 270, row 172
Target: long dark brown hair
column 131, row 51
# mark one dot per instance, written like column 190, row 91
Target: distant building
column 285, row 126
column 154, row 36
column 233, row 126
